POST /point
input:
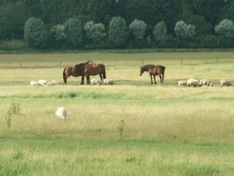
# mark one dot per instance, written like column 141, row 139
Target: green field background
column 130, row 128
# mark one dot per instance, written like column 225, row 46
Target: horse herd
column 90, row 68
column 85, row 69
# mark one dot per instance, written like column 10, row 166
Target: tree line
column 103, row 24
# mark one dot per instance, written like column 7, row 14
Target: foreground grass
column 84, row 157
column 131, row 128
column 167, row 130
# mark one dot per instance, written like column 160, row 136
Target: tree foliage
column 194, row 22
column 35, row 33
column 118, row 32
column 225, row 28
column 160, row 33
column 57, row 32
column 73, row 33
column 12, row 19
column 94, row 31
column 184, row 31
column 138, row 28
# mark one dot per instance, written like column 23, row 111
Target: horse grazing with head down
column 93, row 69
column 77, row 70
column 154, row 70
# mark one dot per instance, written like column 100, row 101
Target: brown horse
column 154, row 70
column 77, row 70
column 95, row 69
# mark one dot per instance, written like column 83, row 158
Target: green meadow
column 131, row 128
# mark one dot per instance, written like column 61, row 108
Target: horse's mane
column 148, row 66
column 84, row 63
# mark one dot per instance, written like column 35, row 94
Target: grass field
column 131, row 128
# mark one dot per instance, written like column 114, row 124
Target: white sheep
column 108, row 81
column 54, row 82
column 50, row 83
column 96, row 82
column 205, row 82
column 224, row 82
column 61, row 113
column 193, row 82
column 182, row 83
column 42, row 82
column 33, row 83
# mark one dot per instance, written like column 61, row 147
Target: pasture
column 131, row 128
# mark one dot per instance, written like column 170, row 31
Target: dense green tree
column 58, row 11
column 160, row 33
column 138, row 28
column 184, row 31
column 35, row 33
column 228, row 11
column 94, row 31
column 74, row 33
column 101, row 11
column 12, row 20
column 202, row 27
column 204, row 14
column 57, row 38
column 118, row 32
column 57, row 32
column 149, row 11
column 95, row 34
column 33, row 7
column 210, row 9
column 225, row 28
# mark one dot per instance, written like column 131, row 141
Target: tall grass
column 158, row 113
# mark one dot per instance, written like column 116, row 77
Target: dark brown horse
column 154, row 70
column 93, row 69
column 77, row 70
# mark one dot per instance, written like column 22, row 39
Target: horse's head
column 141, row 71
column 89, row 62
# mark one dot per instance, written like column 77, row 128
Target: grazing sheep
column 193, row 82
column 61, row 113
column 205, row 82
column 33, row 83
column 108, row 82
column 42, row 82
column 182, row 83
column 54, row 82
column 96, row 82
column 50, row 83
column 224, row 82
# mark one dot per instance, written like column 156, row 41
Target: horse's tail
column 64, row 76
column 104, row 72
column 163, row 72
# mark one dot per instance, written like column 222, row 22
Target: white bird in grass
column 61, row 113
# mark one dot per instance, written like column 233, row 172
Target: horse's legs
column 82, row 80
column 88, row 79
column 154, row 80
column 161, row 78
column 151, row 79
column 100, row 75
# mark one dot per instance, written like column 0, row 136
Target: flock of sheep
column 190, row 82
column 43, row 82
column 102, row 82
column 203, row 82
